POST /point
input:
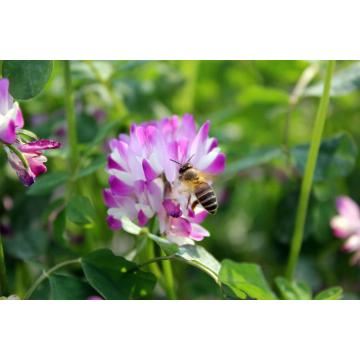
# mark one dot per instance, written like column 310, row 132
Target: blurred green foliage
column 262, row 126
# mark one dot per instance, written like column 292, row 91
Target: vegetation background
column 262, row 112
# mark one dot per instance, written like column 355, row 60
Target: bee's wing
column 205, row 177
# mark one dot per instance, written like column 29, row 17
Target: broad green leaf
column 67, row 287
column 344, row 81
column 199, row 257
column 27, row 77
column 46, row 183
column 292, row 290
column 95, row 165
column 259, row 157
column 80, row 210
column 245, row 278
column 337, row 157
column 333, row 293
column 28, row 244
column 115, row 277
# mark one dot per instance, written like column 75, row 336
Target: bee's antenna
column 190, row 158
column 176, row 162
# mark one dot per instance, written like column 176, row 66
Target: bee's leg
column 188, row 203
column 195, row 204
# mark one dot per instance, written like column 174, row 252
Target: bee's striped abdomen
column 206, row 197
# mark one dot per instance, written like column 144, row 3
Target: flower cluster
column 24, row 156
column 144, row 179
column 346, row 225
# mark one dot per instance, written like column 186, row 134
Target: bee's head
column 184, row 168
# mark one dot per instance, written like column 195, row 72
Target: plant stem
column 150, row 255
column 70, row 117
column 46, row 274
column 156, row 259
column 3, row 280
column 309, row 173
column 165, row 277
column 169, row 278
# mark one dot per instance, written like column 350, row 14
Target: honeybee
column 196, row 182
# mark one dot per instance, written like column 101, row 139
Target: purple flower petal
column 198, row 232
column 119, row 187
column 172, row 208
column 352, row 244
column 37, row 166
column 142, row 218
column 113, row 223
column 180, row 226
column 109, row 198
column 39, row 145
column 149, row 172
column 348, row 208
column 187, row 129
column 19, row 120
column 8, row 132
column 5, row 100
column 199, row 217
column 213, row 145
column 217, row 166
column 112, row 164
column 95, row 297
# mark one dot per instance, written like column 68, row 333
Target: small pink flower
column 346, row 225
column 144, row 181
column 10, row 114
column 34, row 157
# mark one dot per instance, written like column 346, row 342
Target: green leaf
column 197, row 256
column 333, row 293
column 258, row 157
column 67, row 287
column 115, row 277
column 343, row 82
column 48, row 182
column 80, row 211
column 28, row 244
column 292, row 290
column 245, row 278
column 27, row 77
column 337, row 157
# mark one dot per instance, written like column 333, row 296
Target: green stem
column 3, row 280
column 46, row 275
column 156, row 259
column 309, row 173
column 165, row 277
column 150, row 255
column 169, row 278
column 70, row 117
